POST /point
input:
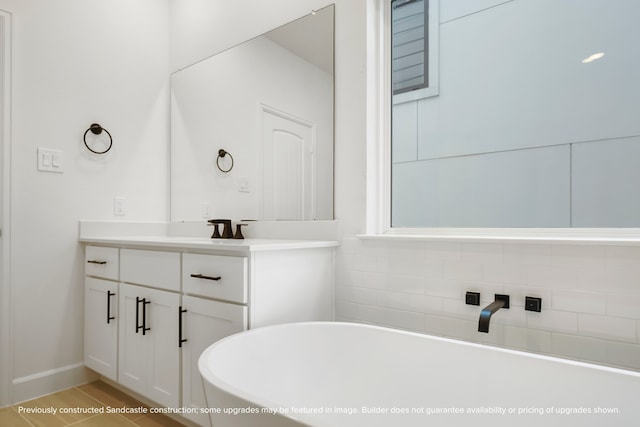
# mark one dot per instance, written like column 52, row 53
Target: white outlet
column 118, row 206
column 243, row 184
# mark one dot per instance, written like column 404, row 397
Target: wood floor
column 91, row 405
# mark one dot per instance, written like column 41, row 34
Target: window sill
column 599, row 236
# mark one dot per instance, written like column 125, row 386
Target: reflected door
column 289, row 172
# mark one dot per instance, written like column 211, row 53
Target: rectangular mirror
column 268, row 105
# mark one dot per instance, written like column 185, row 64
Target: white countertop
column 206, row 243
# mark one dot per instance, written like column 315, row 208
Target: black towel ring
column 221, row 154
column 96, row 129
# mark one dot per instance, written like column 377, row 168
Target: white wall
column 201, row 28
column 76, row 62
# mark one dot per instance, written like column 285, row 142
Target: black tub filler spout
column 501, row 301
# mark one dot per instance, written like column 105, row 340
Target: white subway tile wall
column 590, row 294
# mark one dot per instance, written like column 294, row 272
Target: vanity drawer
column 215, row 276
column 158, row 269
column 101, row 262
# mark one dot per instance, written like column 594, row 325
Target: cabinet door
column 101, row 326
column 204, row 323
column 149, row 357
column 163, row 363
column 132, row 352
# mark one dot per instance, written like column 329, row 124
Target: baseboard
column 51, row 381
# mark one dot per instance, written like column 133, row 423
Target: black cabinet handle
column 144, row 316
column 138, row 301
column 202, row 276
column 95, row 261
column 109, row 316
column 180, row 339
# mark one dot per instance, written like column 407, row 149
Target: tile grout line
column 105, row 405
column 53, row 394
column 90, row 396
column 97, row 415
column 21, row 416
column 132, row 421
column 78, row 422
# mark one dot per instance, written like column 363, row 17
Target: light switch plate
column 50, row 160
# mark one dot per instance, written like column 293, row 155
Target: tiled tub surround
column 590, row 293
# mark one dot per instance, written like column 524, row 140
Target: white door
column 204, row 322
column 289, row 172
column 101, row 327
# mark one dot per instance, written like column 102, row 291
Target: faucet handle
column 216, row 231
column 238, row 234
column 226, row 231
column 472, row 298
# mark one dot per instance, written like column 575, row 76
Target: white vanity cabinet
column 101, row 310
column 169, row 300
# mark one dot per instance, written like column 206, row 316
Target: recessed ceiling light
column 593, row 57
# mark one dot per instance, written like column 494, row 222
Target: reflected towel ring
column 221, row 154
column 96, row 129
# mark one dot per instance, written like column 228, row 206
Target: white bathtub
column 343, row 374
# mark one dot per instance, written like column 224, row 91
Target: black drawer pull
column 202, row 276
column 94, row 261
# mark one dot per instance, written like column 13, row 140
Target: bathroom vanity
column 153, row 304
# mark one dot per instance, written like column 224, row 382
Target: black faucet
column 227, row 233
column 501, row 301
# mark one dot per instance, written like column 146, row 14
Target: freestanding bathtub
column 344, row 374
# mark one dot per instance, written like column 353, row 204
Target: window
column 414, row 49
column 409, row 47
column 535, row 129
